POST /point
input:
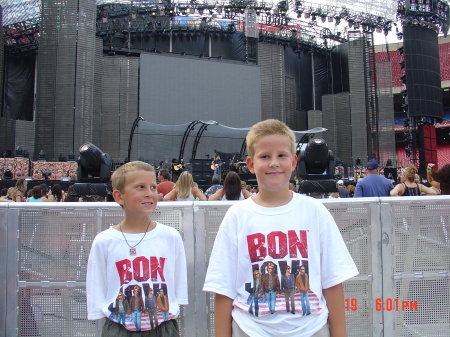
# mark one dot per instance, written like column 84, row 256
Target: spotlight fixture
column 93, row 164
column 401, row 50
column 42, row 156
column 402, row 64
column 46, row 175
column 62, row 158
column 153, row 12
column 19, row 152
column 71, row 157
column 7, row 174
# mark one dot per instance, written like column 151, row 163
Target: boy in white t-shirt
column 133, row 260
column 267, row 233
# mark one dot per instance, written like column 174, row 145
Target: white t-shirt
column 301, row 232
column 160, row 262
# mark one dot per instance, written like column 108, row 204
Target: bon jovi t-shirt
column 274, row 262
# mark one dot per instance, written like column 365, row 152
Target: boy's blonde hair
column 184, row 184
column 268, row 127
column 119, row 176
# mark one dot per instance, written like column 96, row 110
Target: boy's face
column 272, row 162
column 139, row 195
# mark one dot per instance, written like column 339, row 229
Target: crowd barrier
column 400, row 245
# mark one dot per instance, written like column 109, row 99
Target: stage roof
column 25, row 10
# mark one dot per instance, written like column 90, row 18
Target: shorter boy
column 273, row 234
column 136, row 257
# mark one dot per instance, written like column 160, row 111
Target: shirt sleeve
column 96, row 283
column 221, row 273
column 181, row 291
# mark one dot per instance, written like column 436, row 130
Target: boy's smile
column 272, row 162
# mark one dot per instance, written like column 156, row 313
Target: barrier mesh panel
column 421, row 261
column 53, row 312
column 354, row 225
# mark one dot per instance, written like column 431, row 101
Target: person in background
column 36, row 194
column 4, row 194
column 19, row 190
column 232, row 189
column 408, row 186
column 69, row 197
column 165, row 185
column 439, row 179
column 185, row 189
column 351, row 190
column 45, row 192
column 373, row 185
column 57, row 194
column 343, row 192
column 214, row 187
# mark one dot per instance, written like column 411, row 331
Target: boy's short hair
column 266, row 128
column 118, row 178
column 165, row 173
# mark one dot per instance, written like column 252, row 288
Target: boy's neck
column 270, row 199
column 134, row 226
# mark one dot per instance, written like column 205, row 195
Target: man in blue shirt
column 373, row 185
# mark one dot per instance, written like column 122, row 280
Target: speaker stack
column 201, row 171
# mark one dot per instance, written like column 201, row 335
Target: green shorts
column 165, row 329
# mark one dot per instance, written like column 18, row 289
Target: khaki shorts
column 237, row 331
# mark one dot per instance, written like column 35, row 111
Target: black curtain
column 19, row 87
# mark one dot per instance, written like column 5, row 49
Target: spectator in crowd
column 69, row 197
column 214, row 187
column 351, row 190
column 343, row 192
column 19, row 190
column 165, row 185
column 36, row 194
column 57, row 193
column 185, row 189
column 439, row 179
column 4, row 194
column 409, row 186
column 232, row 189
column 44, row 189
column 373, row 185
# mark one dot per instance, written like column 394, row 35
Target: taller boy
column 134, row 257
column 274, row 229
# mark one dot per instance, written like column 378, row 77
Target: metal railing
column 400, row 245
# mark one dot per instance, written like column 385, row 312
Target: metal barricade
column 400, row 245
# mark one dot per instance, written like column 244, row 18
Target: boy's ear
column 294, row 162
column 250, row 165
column 117, row 195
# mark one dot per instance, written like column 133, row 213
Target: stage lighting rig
column 317, row 168
column 93, row 164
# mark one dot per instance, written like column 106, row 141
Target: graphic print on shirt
column 142, row 303
column 280, row 271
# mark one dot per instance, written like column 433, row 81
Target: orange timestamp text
column 388, row 304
